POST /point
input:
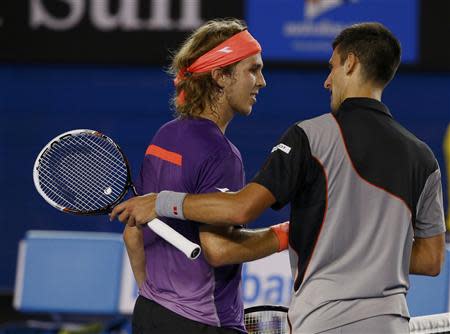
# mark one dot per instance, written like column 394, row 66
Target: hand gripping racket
column 85, row 172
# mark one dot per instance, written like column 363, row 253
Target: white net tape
column 435, row 323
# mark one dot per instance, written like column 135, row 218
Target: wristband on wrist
column 170, row 204
column 282, row 233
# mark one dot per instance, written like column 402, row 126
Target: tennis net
column 435, row 323
column 269, row 319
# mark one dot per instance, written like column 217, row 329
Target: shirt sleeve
column 430, row 213
column 288, row 167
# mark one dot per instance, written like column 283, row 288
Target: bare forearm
column 228, row 208
column 215, row 209
column 427, row 256
column 252, row 245
column 134, row 244
column 418, row 263
column 238, row 246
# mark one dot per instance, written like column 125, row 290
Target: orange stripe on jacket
column 163, row 154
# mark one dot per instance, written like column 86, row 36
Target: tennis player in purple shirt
column 218, row 74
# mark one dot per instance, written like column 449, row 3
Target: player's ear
column 220, row 77
column 350, row 63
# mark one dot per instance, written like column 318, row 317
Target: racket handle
column 190, row 249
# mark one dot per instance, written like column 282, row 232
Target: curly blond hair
column 199, row 88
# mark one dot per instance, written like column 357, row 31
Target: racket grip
column 190, row 249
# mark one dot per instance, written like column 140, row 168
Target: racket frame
column 102, row 211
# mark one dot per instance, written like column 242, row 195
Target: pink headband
column 234, row 49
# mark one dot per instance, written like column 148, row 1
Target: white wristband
column 170, row 204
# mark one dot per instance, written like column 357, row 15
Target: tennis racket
column 84, row 172
column 266, row 319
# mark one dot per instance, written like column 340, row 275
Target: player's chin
column 244, row 108
column 246, row 111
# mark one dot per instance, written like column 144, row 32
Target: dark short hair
column 377, row 49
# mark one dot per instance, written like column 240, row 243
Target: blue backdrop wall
column 129, row 104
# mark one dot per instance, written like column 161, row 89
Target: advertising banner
column 102, row 31
column 303, row 30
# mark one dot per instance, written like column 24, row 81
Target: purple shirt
column 193, row 156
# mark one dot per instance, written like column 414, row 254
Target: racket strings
column 84, row 172
column 120, row 168
column 88, row 172
column 68, row 174
column 78, row 194
column 57, row 195
column 116, row 158
column 113, row 165
column 64, row 194
column 65, row 172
